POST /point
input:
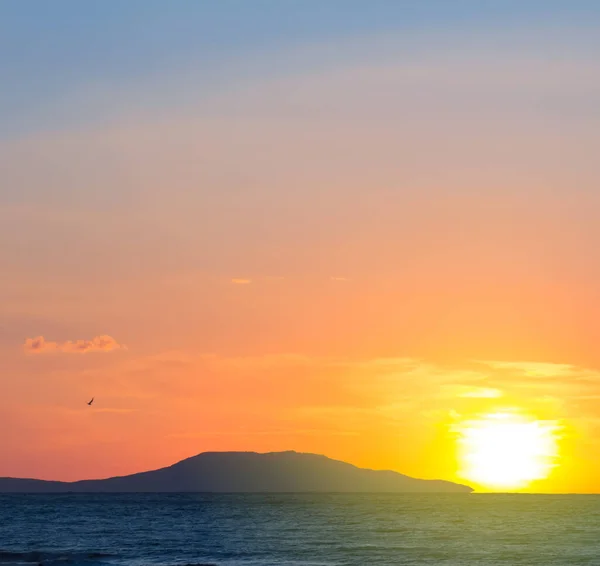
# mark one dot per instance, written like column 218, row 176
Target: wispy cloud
column 103, row 343
column 244, row 431
column 474, row 392
column 534, row 369
column 241, row 281
column 114, row 410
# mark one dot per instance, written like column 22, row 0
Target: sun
column 506, row 451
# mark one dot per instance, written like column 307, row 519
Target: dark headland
column 246, row 472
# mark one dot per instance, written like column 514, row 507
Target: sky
column 339, row 227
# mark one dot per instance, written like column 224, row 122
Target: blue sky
column 50, row 50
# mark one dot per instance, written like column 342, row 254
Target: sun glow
column 506, row 451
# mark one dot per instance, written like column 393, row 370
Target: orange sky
column 344, row 261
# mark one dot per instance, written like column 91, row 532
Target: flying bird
column 91, row 401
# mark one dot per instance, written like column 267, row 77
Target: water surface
column 302, row 529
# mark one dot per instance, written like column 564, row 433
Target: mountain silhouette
column 245, row 472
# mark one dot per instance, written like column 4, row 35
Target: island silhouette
column 246, row 472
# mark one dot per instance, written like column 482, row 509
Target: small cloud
column 115, row 411
column 339, row 278
column 103, row 343
column 481, row 393
column 533, row 369
column 241, row 281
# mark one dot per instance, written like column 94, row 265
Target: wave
column 43, row 557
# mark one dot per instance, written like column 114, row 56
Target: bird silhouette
column 91, row 401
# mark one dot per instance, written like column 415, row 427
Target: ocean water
column 306, row 529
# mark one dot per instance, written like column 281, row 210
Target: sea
column 299, row 529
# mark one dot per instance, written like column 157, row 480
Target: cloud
column 244, row 431
column 534, row 369
column 241, row 281
column 103, row 343
column 480, row 393
column 114, row 411
column 542, row 375
column 466, row 390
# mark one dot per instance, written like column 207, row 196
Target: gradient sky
column 338, row 227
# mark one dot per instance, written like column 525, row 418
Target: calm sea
column 170, row 530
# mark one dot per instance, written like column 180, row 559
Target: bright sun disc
column 506, row 451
